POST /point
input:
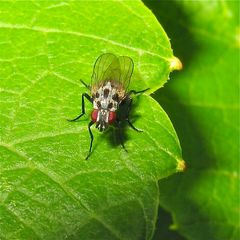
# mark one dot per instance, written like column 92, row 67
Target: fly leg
column 127, row 117
column 129, row 100
column 136, row 92
column 84, row 95
column 87, row 86
column 92, row 138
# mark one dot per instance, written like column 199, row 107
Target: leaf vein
column 140, row 51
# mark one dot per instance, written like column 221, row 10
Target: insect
column 110, row 80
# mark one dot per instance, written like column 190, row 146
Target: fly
column 110, row 80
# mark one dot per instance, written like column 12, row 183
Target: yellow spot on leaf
column 175, row 64
column 181, row 166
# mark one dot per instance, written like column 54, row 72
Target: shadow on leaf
column 114, row 136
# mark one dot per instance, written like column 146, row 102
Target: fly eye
column 94, row 115
column 112, row 117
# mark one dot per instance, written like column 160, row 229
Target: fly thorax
column 105, row 102
column 106, row 98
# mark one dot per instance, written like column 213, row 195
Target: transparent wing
column 102, row 68
column 108, row 67
column 126, row 68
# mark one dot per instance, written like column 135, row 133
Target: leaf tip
column 181, row 165
column 175, row 64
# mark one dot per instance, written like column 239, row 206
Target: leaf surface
column 47, row 189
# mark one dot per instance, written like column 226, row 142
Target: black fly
column 110, row 79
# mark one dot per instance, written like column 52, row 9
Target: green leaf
column 163, row 231
column 203, row 103
column 47, row 189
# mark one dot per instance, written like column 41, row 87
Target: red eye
column 111, row 117
column 94, row 115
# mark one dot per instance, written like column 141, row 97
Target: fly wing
column 126, row 67
column 102, row 68
column 108, row 67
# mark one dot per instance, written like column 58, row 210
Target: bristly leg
column 83, row 107
column 127, row 117
column 92, row 138
column 86, row 85
column 129, row 100
column 136, row 92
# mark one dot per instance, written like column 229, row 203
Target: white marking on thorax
column 103, row 100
